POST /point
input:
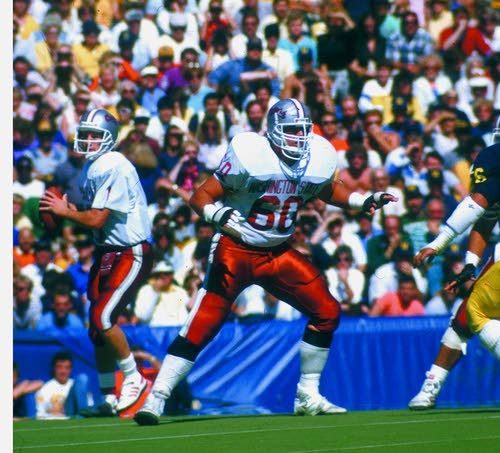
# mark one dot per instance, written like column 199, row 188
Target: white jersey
column 267, row 192
column 50, row 399
column 111, row 182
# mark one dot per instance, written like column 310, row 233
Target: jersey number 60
column 268, row 212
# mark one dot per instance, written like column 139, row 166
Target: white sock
column 438, row 373
column 312, row 362
column 490, row 337
column 173, row 369
column 128, row 365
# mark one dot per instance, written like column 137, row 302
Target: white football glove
column 227, row 219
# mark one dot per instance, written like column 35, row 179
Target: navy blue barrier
column 374, row 363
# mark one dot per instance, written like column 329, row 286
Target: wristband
column 209, row 211
column 356, row 200
column 472, row 258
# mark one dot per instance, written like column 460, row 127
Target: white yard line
column 226, row 433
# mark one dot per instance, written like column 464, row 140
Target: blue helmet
column 284, row 120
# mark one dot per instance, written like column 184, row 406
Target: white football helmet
column 105, row 128
column 284, row 120
column 496, row 131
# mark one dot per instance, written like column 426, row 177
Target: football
column 50, row 220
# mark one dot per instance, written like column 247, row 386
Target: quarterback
column 253, row 199
column 480, row 312
column 116, row 211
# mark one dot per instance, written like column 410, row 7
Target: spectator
column 450, row 184
column 88, row 53
column 376, row 90
column 27, row 308
column 167, row 14
column 188, row 168
column 295, row 38
column 66, row 176
column 60, row 316
column 381, row 183
column 150, row 93
column 462, row 36
column 336, row 50
column 24, row 184
column 280, row 60
column 377, row 141
column 369, row 53
column 241, row 74
column 159, row 125
column 27, row 23
column 80, row 270
column 62, row 397
column 23, row 395
column 405, row 48
column 106, row 93
column 414, row 202
column 253, row 119
column 80, row 101
column 175, row 77
column 386, row 277
column 328, row 128
column 217, row 22
column 490, row 30
column 381, row 249
column 357, row 175
column 46, row 49
column 24, row 253
column 440, row 18
column 404, row 302
column 178, row 39
column 337, row 235
column 161, row 302
column 249, row 27
column 281, row 9
column 196, row 90
column 345, row 282
column 213, row 145
column 43, row 263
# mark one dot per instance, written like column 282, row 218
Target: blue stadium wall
column 374, row 363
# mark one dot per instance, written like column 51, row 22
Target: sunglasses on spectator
column 177, row 136
column 369, row 123
column 125, row 110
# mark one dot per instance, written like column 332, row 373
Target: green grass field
column 453, row 430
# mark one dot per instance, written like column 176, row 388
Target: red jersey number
column 268, row 212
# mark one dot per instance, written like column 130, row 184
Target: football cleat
column 426, row 398
column 307, row 403
column 132, row 389
column 151, row 411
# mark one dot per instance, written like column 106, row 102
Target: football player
column 116, row 210
column 479, row 313
column 253, row 199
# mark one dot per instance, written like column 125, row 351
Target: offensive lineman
column 480, row 312
column 253, row 199
column 115, row 209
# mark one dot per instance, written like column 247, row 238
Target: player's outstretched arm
column 339, row 195
column 204, row 203
column 466, row 214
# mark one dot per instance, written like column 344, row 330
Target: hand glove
column 468, row 272
column 377, row 200
column 225, row 218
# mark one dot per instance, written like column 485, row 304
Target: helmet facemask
column 283, row 133
column 84, row 145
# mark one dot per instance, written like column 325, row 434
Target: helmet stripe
column 298, row 106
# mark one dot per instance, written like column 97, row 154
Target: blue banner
column 374, row 363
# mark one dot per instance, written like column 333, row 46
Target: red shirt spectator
column 404, row 302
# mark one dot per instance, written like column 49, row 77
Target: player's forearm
column 91, row 218
column 478, row 239
column 466, row 214
column 207, row 194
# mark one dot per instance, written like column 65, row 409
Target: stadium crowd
column 406, row 91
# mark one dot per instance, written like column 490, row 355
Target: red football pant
column 282, row 271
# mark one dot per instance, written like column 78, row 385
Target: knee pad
column 454, row 340
column 96, row 337
column 490, row 337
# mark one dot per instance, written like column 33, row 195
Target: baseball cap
column 412, row 192
column 142, row 115
column 254, row 44
column 133, row 14
column 178, row 20
column 126, row 40
column 24, row 162
column 454, row 252
column 163, row 267
column 479, row 82
column 305, row 54
column 272, row 30
column 165, row 51
column 404, row 251
column 435, row 177
column 90, row 27
column 42, row 245
column 149, row 71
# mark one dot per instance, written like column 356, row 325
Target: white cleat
column 426, row 398
column 132, row 389
column 314, row 404
column 151, row 411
